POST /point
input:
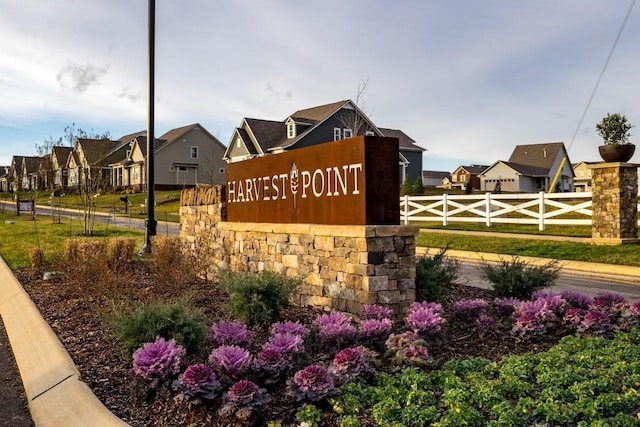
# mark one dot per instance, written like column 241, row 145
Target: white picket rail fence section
column 530, row 208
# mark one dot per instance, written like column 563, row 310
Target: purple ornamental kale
column 573, row 317
column 407, row 348
column 285, row 343
column 157, row 360
column 334, row 328
column 349, row 364
column 605, row 300
column 470, row 309
column 378, row 312
column 312, row 383
column 595, row 322
column 289, row 327
column 554, row 302
column 230, row 361
column 198, row 381
column 414, row 355
column 231, row 333
column 432, row 306
column 634, row 309
column 505, row 306
column 270, row 363
column 528, row 324
column 376, row 329
column 425, row 318
column 576, row 299
column 538, row 309
column 486, row 325
column 242, row 399
column 396, row 341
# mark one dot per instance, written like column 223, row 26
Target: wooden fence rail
column 530, row 208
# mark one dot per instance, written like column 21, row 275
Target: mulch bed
column 76, row 316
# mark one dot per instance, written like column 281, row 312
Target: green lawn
column 623, row 254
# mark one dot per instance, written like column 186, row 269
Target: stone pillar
column 614, row 203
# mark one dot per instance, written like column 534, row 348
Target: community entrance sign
column 352, row 181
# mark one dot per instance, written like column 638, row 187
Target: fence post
column 406, row 209
column 541, row 211
column 488, row 209
column 445, row 209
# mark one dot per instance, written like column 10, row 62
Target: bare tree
column 353, row 119
column 93, row 179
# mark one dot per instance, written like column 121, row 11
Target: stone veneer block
column 342, row 267
column 614, row 203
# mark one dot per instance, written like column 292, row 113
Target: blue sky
column 467, row 80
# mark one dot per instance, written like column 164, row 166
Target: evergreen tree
column 406, row 189
column 418, row 187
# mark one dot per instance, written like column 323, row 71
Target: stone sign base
column 342, row 267
column 614, row 203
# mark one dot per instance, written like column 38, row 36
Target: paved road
column 584, row 283
column 131, row 221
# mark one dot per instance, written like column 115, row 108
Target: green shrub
column 518, row 278
column 434, row 274
column 134, row 326
column 258, row 298
column 418, row 187
column 407, row 188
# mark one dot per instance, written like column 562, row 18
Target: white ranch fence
column 530, row 208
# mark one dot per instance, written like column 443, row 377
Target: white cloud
column 466, row 79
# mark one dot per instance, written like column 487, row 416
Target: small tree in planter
column 615, row 132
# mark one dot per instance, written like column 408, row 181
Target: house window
column 182, row 169
column 194, row 152
column 291, row 130
column 347, row 133
column 337, row 134
column 172, row 168
column 128, row 153
column 369, row 133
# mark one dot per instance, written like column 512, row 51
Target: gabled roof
column 405, row 142
column 539, row 155
column 525, row 170
column 177, row 133
column 95, row 150
column 435, row 174
column 61, row 152
column 316, row 114
column 131, row 136
column 268, row 133
column 473, row 169
column 31, row 164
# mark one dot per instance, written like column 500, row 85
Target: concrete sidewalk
column 54, row 390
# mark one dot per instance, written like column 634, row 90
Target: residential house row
column 530, row 168
column 182, row 157
column 190, row 155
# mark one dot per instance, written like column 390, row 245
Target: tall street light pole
column 150, row 222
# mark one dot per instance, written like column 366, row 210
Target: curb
column 56, row 394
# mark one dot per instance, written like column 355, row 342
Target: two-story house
column 316, row 125
column 582, row 172
column 531, row 168
column 466, row 177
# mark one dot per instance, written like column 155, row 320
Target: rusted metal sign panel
column 353, row 181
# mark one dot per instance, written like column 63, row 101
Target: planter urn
column 616, row 153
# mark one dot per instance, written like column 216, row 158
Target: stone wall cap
column 613, row 165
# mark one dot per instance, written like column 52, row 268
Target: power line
column 606, row 64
